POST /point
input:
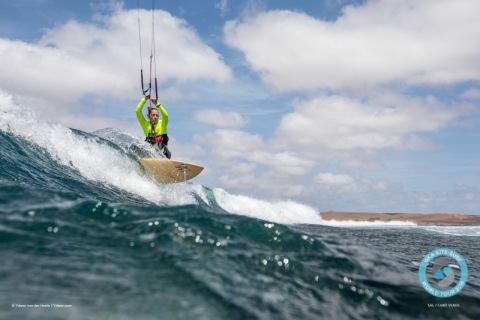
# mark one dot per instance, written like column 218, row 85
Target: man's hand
column 147, row 96
column 153, row 100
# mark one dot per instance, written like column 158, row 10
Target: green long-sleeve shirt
column 160, row 127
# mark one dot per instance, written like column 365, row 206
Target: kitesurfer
column 155, row 130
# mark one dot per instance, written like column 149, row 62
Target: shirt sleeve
column 143, row 122
column 164, row 118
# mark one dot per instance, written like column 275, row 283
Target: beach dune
column 431, row 219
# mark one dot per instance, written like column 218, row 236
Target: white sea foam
column 457, row 231
column 372, row 224
column 280, row 211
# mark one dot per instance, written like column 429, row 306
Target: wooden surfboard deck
column 170, row 171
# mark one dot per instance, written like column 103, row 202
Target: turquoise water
column 81, row 226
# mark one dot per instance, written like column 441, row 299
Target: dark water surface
column 80, row 226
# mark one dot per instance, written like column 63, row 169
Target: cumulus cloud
column 367, row 164
column 330, row 130
column 102, row 57
column 231, row 143
column 333, row 179
column 344, row 183
column 471, row 93
column 379, row 42
column 220, row 119
column 270, row 182
column 245, row 162
column 186, row 151
column 384, row 122
column 234, row 144
column 222, row 6
column 236, row 181
column 285, row 162
column 377, row 45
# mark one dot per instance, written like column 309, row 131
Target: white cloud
column 234, row 144
column 186, row 151
column 175, row 94
column 270, row 183
column 284, row 162
column 102, row 58
column 236, row 181
column 471, row 93
column 383, row 122
column 328, row 131
column 222, row 6
column 333, row 179
column 379, row 42
column 368, row 48
column 220, row 119
column 245, row 168
column 344, row 183
column 231, row 143
column 370, row 164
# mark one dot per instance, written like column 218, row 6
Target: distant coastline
column 431, row 219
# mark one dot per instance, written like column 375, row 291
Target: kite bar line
column 140, row 44
column 152, row 53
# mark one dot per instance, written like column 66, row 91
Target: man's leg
column 166, row 152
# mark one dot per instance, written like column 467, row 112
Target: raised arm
column 138, row 111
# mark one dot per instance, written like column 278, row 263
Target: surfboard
column 170, row 171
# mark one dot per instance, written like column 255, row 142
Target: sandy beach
column 432, row 219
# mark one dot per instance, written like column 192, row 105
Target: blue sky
column 342, row 105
